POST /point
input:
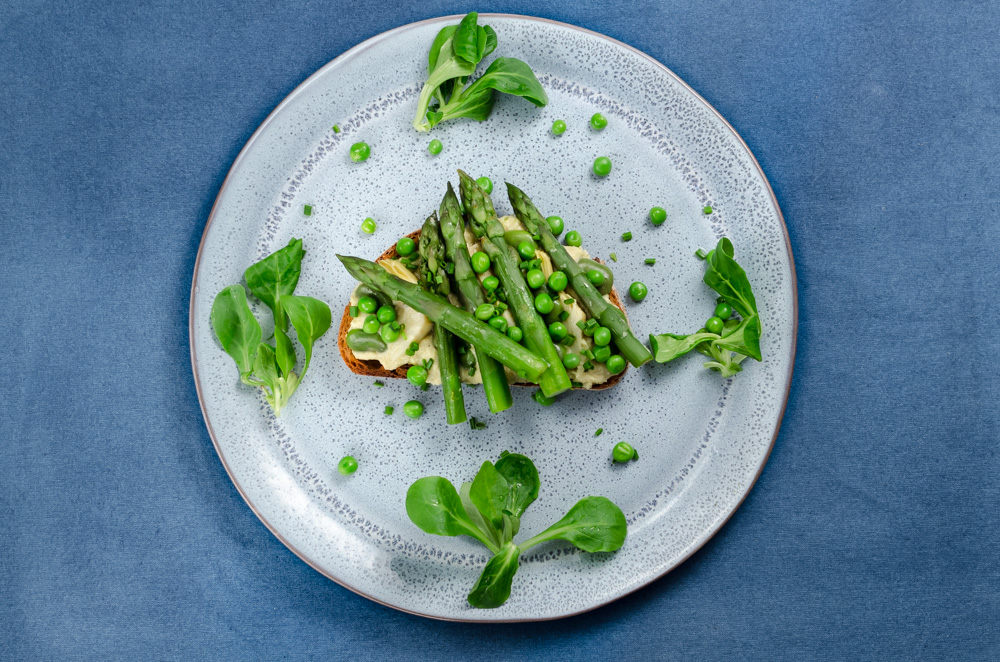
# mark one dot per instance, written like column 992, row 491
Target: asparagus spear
column 588, row 296
column 453, row 230
column 485, row 224
column 434, row 278
column 527, row 365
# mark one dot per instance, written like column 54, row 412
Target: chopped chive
column 379, row 384
column 412, row 349
column 707, row 209
column 614, row 258
column 476, row 424
column 354, row 311
column 588, row 353
column 627, row 236
column 588, row 366
column 700, row 254
column 650, row 260
column 307, row 210
column 336, row 128
column 599, row 431
column 563, row 316
column 568, row 340
column 472, row 370
column 569, row 302
column 576, row 384
column 388, row 410
column 581, row 325
column 425, row 387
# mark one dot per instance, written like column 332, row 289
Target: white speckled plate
column 702, row 440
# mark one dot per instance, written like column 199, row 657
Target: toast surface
column 374, row 368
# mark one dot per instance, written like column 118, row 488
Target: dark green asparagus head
column 479, row 208
column 450, row 215
column 432, row 273
column 525, row 210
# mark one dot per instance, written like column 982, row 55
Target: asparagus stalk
column 495, row 384
column 485, row 224
column 434, row 278
column 588, row 296
column 524, row 363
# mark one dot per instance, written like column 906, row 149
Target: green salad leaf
column 489, row 509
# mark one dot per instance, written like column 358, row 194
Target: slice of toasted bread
column 374, row 368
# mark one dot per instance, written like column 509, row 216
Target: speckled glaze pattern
column 702, row 440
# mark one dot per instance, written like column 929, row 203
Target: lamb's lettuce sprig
column 738, row 339
column 489, row 509
column 452, row 60
column 271, row 367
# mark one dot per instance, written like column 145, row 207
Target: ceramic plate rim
column 358, row 49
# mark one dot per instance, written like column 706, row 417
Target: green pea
column 380, row 297
column 435, row 146
column 615, row 364
column 558, row 281
column 558, row 127
column 491, row 283
column 558, row 331
column 413, row 409
column 360, row 152
column 714, row 325
column 347, row 465
column 498, row 323
column 623, row 452
column 417, row 375
column 602, row 353
column 602, row 166
column 542, row 399
column 602, row 336
column 484, row 311
column 571, row 360
column 367, row 304
column 486, row 184
column 657, row 215
column 480, row 262
column 368, row 225
column 361, row 341
column 386, row 314
column 723, row 311
column 535, row 278
column 515, row 333
column 573, row 238
column 555, row 225
column 637, row 291
column 543, row 303
column 388, row 333
column 371, row 324
column 405, row 246
column 598, row 121
column 596, row 277
column 526, row 249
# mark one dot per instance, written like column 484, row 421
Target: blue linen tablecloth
column 873, row 530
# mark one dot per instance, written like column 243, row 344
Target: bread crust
column 374, row 369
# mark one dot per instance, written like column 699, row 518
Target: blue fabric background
column 873, row 531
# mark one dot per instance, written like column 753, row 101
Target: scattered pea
column 623, row 452
column 598, row 121
column 417, row 375
column 491, row 283
column 657, row 215
column 571, row 360
column 435, row 146
column 596, row 277
column 558, row 281
column 558, row 128
column 486, row 184
column 602, row 336
column 602, row 166
column 558, row 331
column 484, row 311
column 515, row 333
column 405, row 246
column 555, row 224
column 638, row 291
column 602, row 353
column 714, row 325
column 360, row 152
column 542, row 399
column 347, row 465
column 480, row 262
column 543, row 303
column 368, row 225
column 367, row 304
column 388, row 334
column 723, row 311
column 526, row 250
column 498, row 323
column 573, row 238
column 371, row 324
column 535, row 278
column 413, row 408
column 386, row 314
column 615, row 364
